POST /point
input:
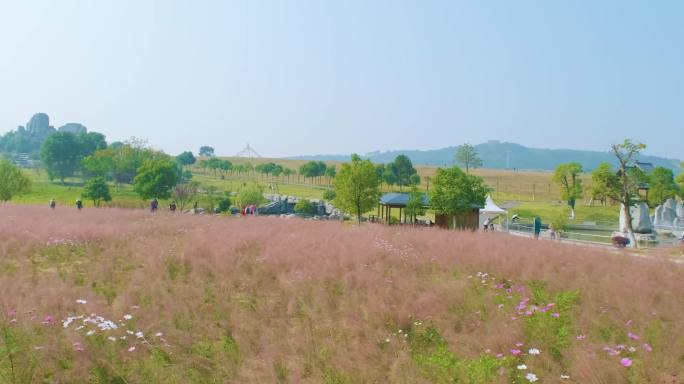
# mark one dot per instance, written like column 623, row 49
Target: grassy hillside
column 126, row 296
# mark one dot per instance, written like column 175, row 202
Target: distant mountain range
column 502, row 155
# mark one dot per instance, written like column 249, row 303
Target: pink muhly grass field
column 217, row 299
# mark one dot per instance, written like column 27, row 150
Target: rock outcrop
column 39, row 126
column 669, row 216
column 641, row 221
column 74, row 128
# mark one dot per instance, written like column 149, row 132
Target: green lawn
column 547, row 211
column 42, row 190
column 123, row 196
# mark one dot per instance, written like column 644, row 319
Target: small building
column 389, row 201
column 467, row 220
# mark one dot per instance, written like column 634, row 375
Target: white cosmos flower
column 522, row 367
column 81, row 301
column 139, row 335
column 565, row 377
column 534, row 351
column 531, row 377
column 127, row 317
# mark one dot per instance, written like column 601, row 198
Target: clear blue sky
column 310, row 77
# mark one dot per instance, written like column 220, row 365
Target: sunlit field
column 127, row 296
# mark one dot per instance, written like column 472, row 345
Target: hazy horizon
column 307, row 78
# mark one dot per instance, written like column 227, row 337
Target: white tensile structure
column 491, row 211
column 248, row 152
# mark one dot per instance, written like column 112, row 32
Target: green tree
column 305, row 207
column 225, row 166
column 568, row 175
column 206, row 151
column 389, row 176
column 213, row 163
column 99, row 164
column 356, row 187
column 662, row 186
column 249, row 195
column 119, row 162
column 97, row 190
column 414, row 179
column 603, row 180
column 330, row 173
column 312, row 169
column 380, row 173
column 186, row 158
column 402, row 169
column 467, row 157
column 90, row 142
column 454, row 192
column 277, row 170
column 13, row 182
column 287, row 172
column 626, row 189
column 156, row 177
column 416, row 204
column 680, row 178
column 61, row 155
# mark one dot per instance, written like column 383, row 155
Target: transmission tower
column 248, row 152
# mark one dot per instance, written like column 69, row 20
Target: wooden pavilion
column 388, row 201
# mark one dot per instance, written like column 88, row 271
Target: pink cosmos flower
column 555, row 314
column 581, row 337
column 632, row 336
column 647, row 347
column 49, row 320
column 499, row 355
column 519, row 344
column 626, row 362
column 628, row 323
column 516, row 352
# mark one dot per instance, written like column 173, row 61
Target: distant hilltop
column 502, row 155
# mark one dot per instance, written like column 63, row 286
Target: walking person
column 79, row 204
column 53, row 203
column 154, row 204
column 486, row 224
column 172, row 206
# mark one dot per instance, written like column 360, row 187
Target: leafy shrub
column 329, row 194
column 305, row 207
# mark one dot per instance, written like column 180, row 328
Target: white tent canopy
column 490, row 211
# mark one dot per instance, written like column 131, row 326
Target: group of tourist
column 154, row 205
